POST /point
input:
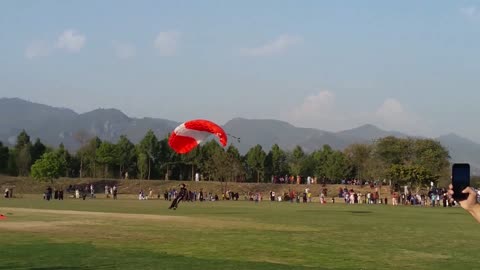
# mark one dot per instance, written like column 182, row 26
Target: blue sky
column 411, row 66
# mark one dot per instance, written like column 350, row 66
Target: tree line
column 403, row 161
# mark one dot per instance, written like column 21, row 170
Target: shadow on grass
column 360, row 212
column 44, row 255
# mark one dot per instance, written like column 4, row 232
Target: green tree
column 276, row 161
column 337, row 167
column 23, row 139
column 88, row 157
column 142, row 164
column 221, row 163
column 67, row 159
column 211, row 161
column 308, row 166
column 81, row 137
column 23, row 158
column 167, row 157
column 49, row 167
column 38, row 149
column 126, row 154
column 12, row 168
column 360, row 157
column 236, row 168
column 414, row 176
column 150, row 147
column 107, row 155
column 321, row 158
column 392, row 150
column 296, row 160
column 255, row 159
column 4, row 156
column 432, row 156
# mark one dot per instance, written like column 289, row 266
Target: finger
column 450, row 192
column 468, row 190
column 450, row 186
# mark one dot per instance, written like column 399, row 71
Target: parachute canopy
column 190, row 134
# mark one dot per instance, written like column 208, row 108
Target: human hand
column 471, row 200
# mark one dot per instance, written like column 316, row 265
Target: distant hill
column 462, row 150
column 59, row 125
column 367, row 133
column 268, row 132
column 56, row 125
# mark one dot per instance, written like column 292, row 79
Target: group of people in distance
column 471, row 204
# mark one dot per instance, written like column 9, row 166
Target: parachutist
column 181, row 196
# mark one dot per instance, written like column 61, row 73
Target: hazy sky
column 412, row 66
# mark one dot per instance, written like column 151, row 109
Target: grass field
column 132, row 234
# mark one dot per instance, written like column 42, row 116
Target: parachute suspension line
column 237, row 138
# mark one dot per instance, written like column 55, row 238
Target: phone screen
column 460, row 180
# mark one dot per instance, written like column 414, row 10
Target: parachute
column 190, row 134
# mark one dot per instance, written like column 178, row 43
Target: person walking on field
column 181, row 195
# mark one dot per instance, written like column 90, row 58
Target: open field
column 132, row 234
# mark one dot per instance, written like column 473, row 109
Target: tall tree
column 150, row 147
column 49, row 167
column 88, row 157
column 337, row 167
column 412, row 175
column 432, row 156
column 167, row 157
column 211, row 163
column 256, row 161
column 107, row 155
column 359, row 156
column 82, row 137
column 321, row 158
column 126, row 154
column 67, row 159
column 38, row 149
column 23, row 139
column 12, row 168
column 392, row 150
column 277, row 161
column 142, row 164
column 4, row 156
column 296, row 160
column 23, row 153
column 235, row 163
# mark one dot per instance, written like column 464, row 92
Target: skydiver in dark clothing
column 181, row 195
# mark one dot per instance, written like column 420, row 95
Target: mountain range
column 61, row 125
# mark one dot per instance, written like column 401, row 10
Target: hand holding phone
column 460, row 180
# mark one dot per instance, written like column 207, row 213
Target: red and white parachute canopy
column 190, row 134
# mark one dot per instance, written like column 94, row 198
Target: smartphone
column 460, row 180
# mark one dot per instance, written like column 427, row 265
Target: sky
column 411, row 66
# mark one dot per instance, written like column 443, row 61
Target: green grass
column 132, row 234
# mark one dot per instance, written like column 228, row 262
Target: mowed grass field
column 132, row 234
